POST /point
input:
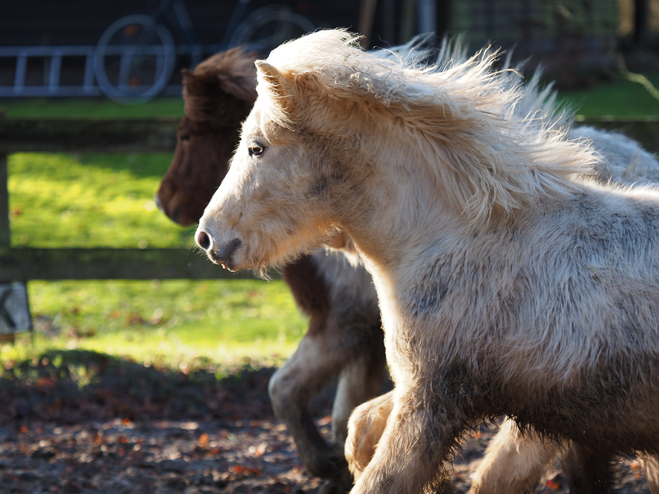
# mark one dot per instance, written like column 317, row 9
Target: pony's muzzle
column 219, row 254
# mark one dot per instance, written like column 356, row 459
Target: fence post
column 4, row 204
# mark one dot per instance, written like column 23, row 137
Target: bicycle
column 135, row 56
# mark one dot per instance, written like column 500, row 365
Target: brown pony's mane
column 205, row 90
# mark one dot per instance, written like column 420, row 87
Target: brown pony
column 218, row 96
column 344, row 339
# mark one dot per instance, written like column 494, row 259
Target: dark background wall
column 81, row 22
column 568, row 36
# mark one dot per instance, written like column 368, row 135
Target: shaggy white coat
column 507, row 283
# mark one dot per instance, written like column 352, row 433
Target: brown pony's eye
column 185, row 137
column 256, row 150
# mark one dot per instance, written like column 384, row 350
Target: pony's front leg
column 291, row 388
column 420, row 436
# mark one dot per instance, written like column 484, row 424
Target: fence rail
column 142, row 135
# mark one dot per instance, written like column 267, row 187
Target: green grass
column 90, row 108
column 93, row 200
column 89, row 201
column 617, row 98
column 166, row 322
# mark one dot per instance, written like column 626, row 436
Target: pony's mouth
column 223, row 255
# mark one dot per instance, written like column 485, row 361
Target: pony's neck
column 399, row 211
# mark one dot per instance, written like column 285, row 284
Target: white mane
column 492, row 144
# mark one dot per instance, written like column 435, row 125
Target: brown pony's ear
column 198, row 96
column 238, row 75
column 192, row 84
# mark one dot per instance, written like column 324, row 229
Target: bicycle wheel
column 134, row 59
column 268, row 27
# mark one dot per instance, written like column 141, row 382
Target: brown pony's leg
column 361, row 381
column 310, row 369
column 588, row 472
column 344, row 339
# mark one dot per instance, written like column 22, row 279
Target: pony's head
column 218, row 96
column 338, row 137
column 275, row 201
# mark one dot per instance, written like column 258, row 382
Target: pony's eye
column 185, row 137
column 256, row 150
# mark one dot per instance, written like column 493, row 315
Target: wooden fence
column 153, row 135
column 83, row 135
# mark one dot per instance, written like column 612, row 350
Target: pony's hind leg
column 588, row 472
column 513, row 462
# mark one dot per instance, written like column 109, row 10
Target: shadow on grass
column 73, row 385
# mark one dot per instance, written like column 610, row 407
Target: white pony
column 507, row 283
column 514, row 463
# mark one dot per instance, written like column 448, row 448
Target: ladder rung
column 21, row 67
column 55, row 66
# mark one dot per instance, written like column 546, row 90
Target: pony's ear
column 193, row 85
column 276, row 82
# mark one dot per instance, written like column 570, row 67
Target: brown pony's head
column 218, row 96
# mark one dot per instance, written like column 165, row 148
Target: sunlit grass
column 60, row 200
column 174, row 323
column 89, row 201
column 617, row 97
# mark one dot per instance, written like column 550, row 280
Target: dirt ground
column 137, row 430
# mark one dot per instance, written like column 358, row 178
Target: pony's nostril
column 203, row 240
